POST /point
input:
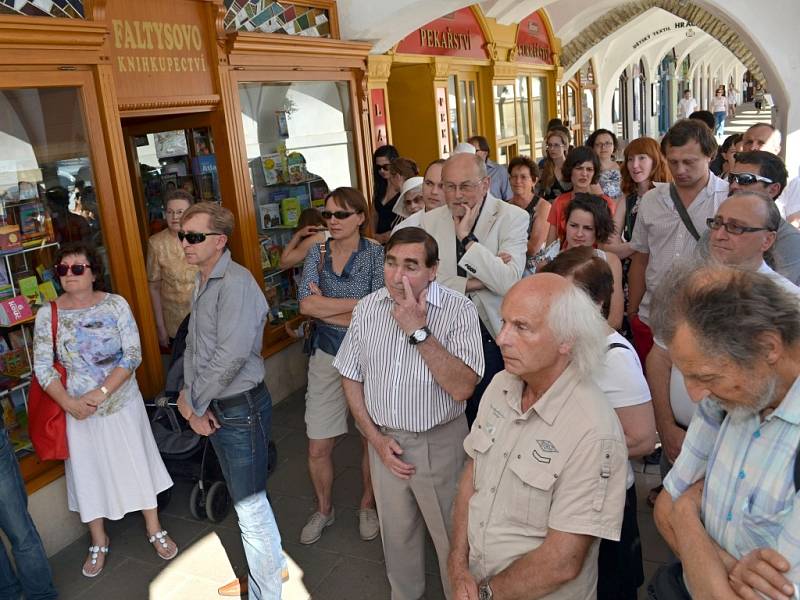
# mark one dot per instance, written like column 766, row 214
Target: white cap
column 408, row 185
column 464, row 148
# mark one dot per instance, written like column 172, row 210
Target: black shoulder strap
column 617, row 345
column 676, row 200
column 797, row 470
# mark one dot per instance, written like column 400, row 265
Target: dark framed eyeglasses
column 747, row 178
column 340, row 215
column 194, row 237
column 77, row 269
column 716, row 223
column 384, row 167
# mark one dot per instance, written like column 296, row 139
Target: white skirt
column 114, row 466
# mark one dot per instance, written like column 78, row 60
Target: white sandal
column 95, row 552
column 160, row 537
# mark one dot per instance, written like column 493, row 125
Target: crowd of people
column 507, row 339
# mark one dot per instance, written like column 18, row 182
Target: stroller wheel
column 197, row 503
column 218, row 502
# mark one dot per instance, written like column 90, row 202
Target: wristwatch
column 104, row 389
column 470, row 238
column 484, row 591
column 419, row 336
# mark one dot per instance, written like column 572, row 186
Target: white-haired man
column 546, row 473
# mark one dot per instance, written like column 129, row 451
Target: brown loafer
column 238, row 587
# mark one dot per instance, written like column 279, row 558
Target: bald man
column 546, row 473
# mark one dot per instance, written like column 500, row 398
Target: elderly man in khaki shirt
column 546, row 472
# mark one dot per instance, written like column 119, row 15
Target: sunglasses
column 194, row 237
column 716, row 223
column 747, row 178
column 384, row 167
column 340, row 215
column 77, row 269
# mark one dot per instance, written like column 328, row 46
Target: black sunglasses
column 716, row 223
column 194, row 237
column 384, row 167
column 747, row 178
column 77, row 269
column 339, row 214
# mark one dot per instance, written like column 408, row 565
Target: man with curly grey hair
column 732, row 492
column 546, row 473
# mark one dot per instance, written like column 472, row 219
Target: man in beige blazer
column 471, row 230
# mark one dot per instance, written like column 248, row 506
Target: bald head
column 465, row 182
column 539, row 291
column 756, row 219
column 762, row 136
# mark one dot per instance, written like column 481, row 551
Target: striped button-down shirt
column 749, row 497
column 660, row 232
column 399, row 389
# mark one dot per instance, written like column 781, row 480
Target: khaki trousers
column 406, row 507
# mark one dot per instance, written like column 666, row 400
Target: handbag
column 47, row 422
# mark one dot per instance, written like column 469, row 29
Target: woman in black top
column 400, row 169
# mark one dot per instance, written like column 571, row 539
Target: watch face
column 420, row 335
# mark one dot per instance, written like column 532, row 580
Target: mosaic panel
column 276, row 17
column 68, row 9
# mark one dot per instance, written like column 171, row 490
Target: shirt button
column 729, row 517
column 741, row 474
column 505, row 454
column 482, row 524
column 757, row 434
column 519, row 456
column 493, row 490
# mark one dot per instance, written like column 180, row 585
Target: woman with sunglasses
column 114, row 466
column 336, row 275
column 400, row 170
column 170, row 278
column 383, row 189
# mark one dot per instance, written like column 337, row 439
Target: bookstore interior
column 107, row 107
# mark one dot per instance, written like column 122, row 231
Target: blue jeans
column 241, row 447
column 33, row 575
column 719, row 119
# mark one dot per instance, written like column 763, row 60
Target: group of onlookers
column 506, row 338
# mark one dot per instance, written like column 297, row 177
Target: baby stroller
column 187, row 455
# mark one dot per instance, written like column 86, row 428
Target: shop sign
column 378, row 110
column 159, row 51
column 455, row 34
column 677, row 26
column 533, row 43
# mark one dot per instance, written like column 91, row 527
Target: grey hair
column 480, row 164
column 728, row 310
column 574, row 320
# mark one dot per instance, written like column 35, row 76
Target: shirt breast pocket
column 481, row 444
column 528, row 502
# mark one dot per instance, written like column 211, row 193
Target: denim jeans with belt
column 241, row 446
column 33, row 576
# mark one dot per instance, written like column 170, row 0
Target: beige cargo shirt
column 561, row 465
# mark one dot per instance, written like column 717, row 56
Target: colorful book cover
column 290, row 212
column 14, row 310
column 48, row 291
column 29, row 287
column 273, row 168
column 319, row 189
column 32, row 220
column 301, row 193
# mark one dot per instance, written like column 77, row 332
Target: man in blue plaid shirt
column 730, row 509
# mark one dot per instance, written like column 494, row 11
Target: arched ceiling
column 617, row 18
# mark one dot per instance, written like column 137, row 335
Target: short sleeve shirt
column 166, row 263
column 559, row 465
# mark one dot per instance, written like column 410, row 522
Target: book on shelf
column 270, row 215
column 302, row 194
column 14, row 363
column 48, row 291
column 29, row 287
column 32, row 221
column 14, row 310
column 290, row 212
column 10, row 239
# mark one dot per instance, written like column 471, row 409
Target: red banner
column 533, row 43
column 378, row 115
column 455, row 34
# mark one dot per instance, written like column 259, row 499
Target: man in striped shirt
column 731, row 494
column 409, row 361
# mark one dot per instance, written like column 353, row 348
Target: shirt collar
column 552, row 401
column 789, row 408
column 222, row 265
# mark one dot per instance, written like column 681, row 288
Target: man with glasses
column 224, row 396
column 765, row 172
column 499, row 185
column 471, row 230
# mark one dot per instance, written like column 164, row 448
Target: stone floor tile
column 654, row 548
column 347, row 487
column 354, row 579
column 291, row 478
column 308, row 566
column 347, row 452
column 128, row 579
column 342, row 537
